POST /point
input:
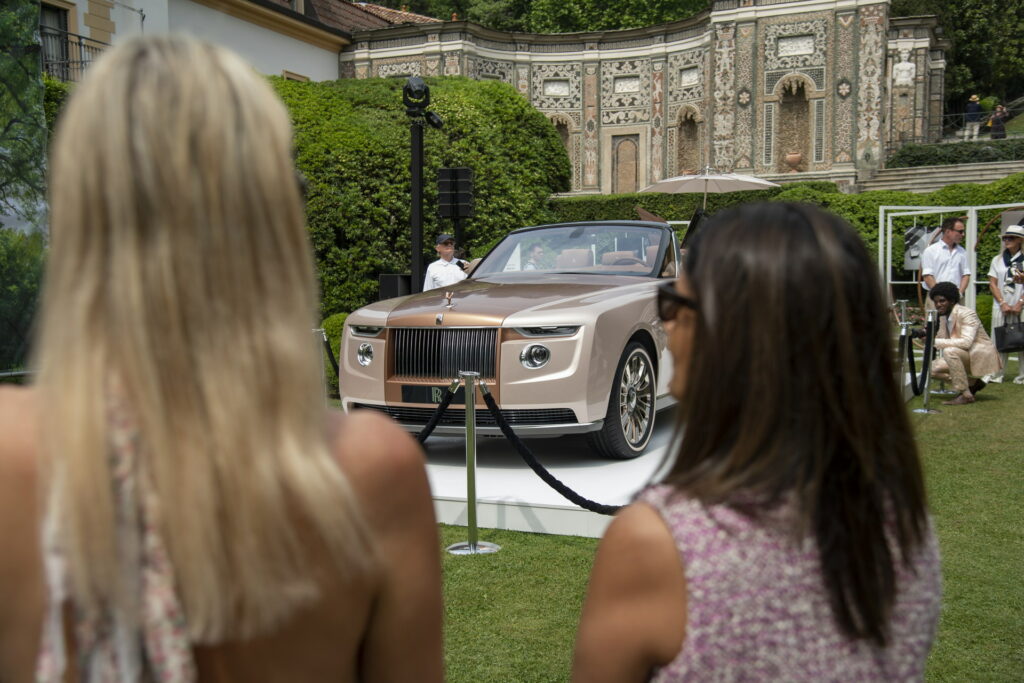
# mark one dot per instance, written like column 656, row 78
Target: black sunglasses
column 670, row 301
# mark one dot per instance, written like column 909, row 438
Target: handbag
column 1010, row 337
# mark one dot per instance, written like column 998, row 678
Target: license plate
column 418, row 393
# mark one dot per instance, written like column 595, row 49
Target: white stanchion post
column 473, row 546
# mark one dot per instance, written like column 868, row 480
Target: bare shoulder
column 383, row 463
column 634, row 615
column 19, row 422
column 638, row 549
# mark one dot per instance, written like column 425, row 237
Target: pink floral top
column 149, row 644
column 757, row 609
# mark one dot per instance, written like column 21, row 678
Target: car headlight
column 364, row 354
column 365, row 330
column 535, row 356
column 548, row 330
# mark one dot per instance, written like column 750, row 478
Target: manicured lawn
column 512, row 616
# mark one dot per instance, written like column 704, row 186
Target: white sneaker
column 993, row 379
column 1019, row 379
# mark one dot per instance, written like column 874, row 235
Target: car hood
column 489, row 301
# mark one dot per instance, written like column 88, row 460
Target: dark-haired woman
column 790, row 538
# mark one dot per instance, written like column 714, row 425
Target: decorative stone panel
column 569, row 72
column 724, row 94
column 490, row 69
column 387, row 68
column 657, row 120
column 625, row 91
column 745, row 41
column 686, row 75
column 842, row 108
column 795, row 45
column 591, row 142
column 871, row 52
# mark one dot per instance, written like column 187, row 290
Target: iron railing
column 66, row 55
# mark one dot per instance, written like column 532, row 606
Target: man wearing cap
column 1006, row 283
column 446, row 270
column 946, row 260
column 973, row 119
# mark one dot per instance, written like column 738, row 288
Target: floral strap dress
column 147, row 641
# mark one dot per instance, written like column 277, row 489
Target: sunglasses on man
column 670, row 301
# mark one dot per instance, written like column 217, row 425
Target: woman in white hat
column 1007, row 294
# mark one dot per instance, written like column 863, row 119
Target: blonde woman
column 176, row 503
column 1007, row 292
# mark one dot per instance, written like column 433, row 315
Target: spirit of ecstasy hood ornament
column 448, row 299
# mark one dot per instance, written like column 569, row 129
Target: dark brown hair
column 950, row 222
column 791, row 396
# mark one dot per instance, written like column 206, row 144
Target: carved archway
column 689, row 142
column 625, row 164
column 793, row 130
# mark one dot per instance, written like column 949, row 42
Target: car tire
column 629, row 422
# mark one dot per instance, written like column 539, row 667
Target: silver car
column 559, row 320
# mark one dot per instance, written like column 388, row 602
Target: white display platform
column 510, row 496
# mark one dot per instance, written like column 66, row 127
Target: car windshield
column 592, row 249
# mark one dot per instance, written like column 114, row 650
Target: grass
column 512, row 616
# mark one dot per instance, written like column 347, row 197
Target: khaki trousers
column 954, row 366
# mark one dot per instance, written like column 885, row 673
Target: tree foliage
column 557, row 16
column 22, row 129
column 21, row 267
column 353, row 146
column 987, row 56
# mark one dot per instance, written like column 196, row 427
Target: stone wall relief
column 556, row 86
column 795, row 45
column 687, row 73
column 871, row 53
column 388, row 68
column 489, row 69
column 903, row 71
column 625, row 163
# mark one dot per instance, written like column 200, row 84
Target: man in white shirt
column 446, row 270
column 946, row 260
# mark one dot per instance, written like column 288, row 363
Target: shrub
column 333, row 326
column 352, row 143
column 21, row 267
column 55, row 93
column 983, row 305
column 913, row 154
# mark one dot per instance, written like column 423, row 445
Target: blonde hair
column 180, row 268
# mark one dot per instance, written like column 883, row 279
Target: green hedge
column 21, row 269
column 912, row 155
column 333, row 326
column 861, row 210
column 352, row 144
column 55, row 93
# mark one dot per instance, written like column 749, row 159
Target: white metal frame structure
column 886, row 214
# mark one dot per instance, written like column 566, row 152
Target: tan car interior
column 578, row 259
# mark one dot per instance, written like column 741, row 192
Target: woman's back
column 757, row 608
column 381, row 626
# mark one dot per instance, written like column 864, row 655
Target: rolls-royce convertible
column 559, row 320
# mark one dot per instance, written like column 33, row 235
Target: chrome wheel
column 629, row 422
column 636, row 399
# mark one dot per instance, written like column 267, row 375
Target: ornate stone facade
column 757, row 86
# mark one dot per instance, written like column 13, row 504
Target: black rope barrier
column 330, row 354
column 438, row 412
column 530, row 460
column 915, row 386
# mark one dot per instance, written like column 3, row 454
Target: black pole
column 458, row 231
column 416, row 206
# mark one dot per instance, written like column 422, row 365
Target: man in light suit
column 966, row 349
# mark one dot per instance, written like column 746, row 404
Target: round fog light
column 365, row 354
column 535, row 356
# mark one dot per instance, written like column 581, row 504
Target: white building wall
column 269, row 52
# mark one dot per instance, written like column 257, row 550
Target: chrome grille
column 441, row 353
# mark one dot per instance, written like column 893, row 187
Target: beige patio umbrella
column 710, row 180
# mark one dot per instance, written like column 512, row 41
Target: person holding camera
column 446, row 270
column 967, row 351
column 1006, row 282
